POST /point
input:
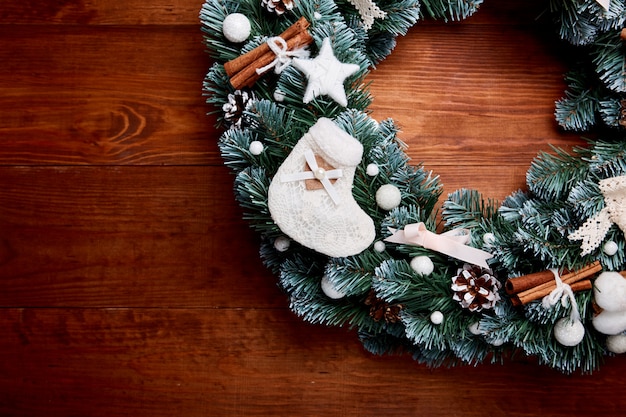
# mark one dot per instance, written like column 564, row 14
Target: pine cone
column 475, row 288
column 238, row 103
column 380, row 309
column 277, row 6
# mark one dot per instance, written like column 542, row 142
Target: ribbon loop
column 283, row 55
column 452, row 243
column 563, row 292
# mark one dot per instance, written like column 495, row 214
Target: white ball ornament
column 497, row 342
column 329, row 289
column 282, row 243
column 372, row 170
column 475, row 329
column 610, row 248
column 422, row 265
column 256, row 147
column 568, row 332
column 436, row 317
column 489, row 238
column 236, row 27
column 616, row 343
column 388, row 197
column 380, row 246
column 279, row 96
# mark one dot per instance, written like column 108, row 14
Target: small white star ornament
column 604, row 3
column 325, row 74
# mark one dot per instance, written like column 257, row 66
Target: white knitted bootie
column 310, row 197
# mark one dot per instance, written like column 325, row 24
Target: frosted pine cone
column 475, row 288
column 238, row 103
column 277, row 6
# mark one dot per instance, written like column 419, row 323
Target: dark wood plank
column 127, row 236
column 102, row 12
column 104, row 95
column 163, row 362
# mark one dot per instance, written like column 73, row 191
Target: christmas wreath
column 350, row 227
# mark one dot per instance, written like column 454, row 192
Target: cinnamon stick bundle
column 532, row 287
column 242, row 70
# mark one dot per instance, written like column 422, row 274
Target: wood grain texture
column 130, row 286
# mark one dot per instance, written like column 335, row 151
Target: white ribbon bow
column 593, row 231
column 450, row 243
column 604, row 3
column 317, row 173
column 283, row 55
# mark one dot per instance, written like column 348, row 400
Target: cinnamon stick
column 571, row 278
column 526, row 282
column 577, row 286
column 243, row 61
column 247, row 76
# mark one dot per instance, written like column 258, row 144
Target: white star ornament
column 326, row 75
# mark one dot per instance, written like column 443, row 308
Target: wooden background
column 129, row 286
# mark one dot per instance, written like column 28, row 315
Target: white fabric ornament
column 368, row 11
column 314, row 205
column 325, row 74
column 236, row 27
column 592, row 232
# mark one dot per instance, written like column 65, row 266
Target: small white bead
column 489, row 238
column 475, row 329
column 282, row 243
column 320, row 173
column 279, row 96
column 497, row 342
column 436, row 317
column 569, row 333
column 372, row 170
column 422, row 265
column 256, row 147
column 610, row 248
column 380, row 246
column 236, row 27
column 329, row 289
column 317, row 15
column 388, row 197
